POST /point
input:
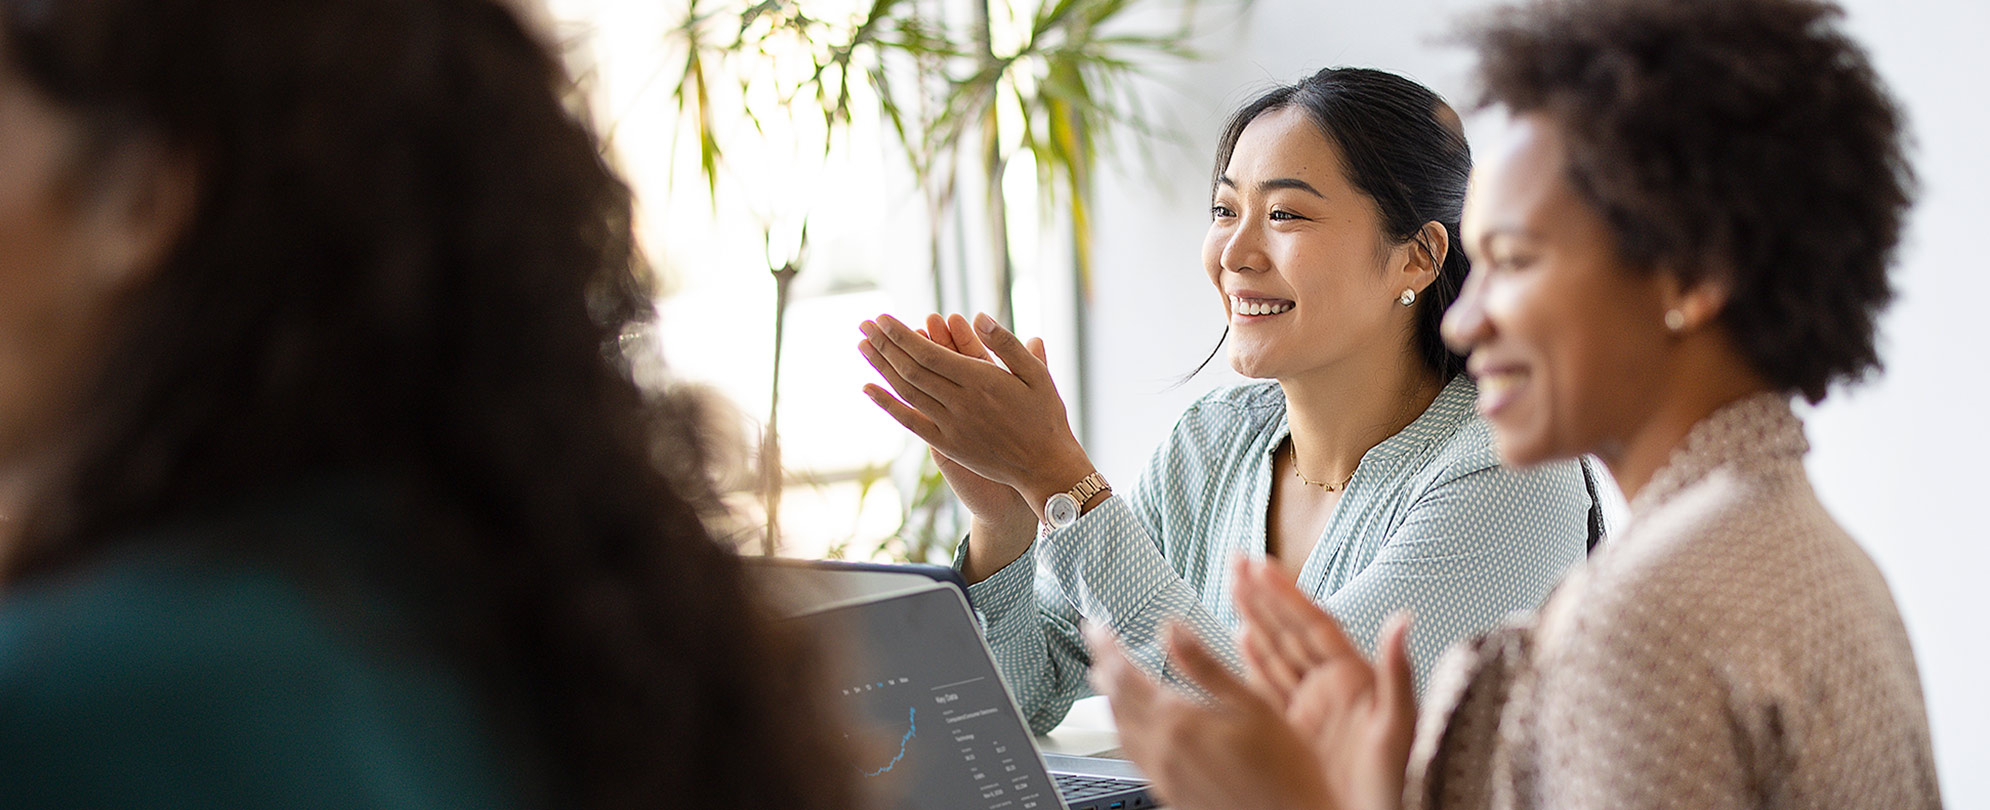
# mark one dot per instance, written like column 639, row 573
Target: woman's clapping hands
column 1005, row 422
column 1316, row 725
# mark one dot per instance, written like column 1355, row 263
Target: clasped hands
column 998, row 429
column 1315, row 725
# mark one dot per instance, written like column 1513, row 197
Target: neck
column 1700, row 382
column 1339, row 414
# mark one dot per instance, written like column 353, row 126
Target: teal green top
column 1430, row 522
column 162, row 676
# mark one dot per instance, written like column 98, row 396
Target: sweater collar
column 1755, row 432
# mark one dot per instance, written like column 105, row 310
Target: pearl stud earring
column 1407, row 298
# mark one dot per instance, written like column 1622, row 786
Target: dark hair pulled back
column 408, row 260
column 1404, row 148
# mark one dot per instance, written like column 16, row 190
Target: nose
column 1465, row 324
column 1243, row 249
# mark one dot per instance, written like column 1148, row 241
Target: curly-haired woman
column 1690, row 224
column 323, row 488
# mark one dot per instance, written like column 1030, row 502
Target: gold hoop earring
column 1675, row 320
column 1407, row 298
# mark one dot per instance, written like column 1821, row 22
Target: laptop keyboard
column 1076, row 788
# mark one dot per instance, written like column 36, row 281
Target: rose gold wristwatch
column 1062, row 509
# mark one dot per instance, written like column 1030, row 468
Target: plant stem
column 770, row 445
column 992, row 165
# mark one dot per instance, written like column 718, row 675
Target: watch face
column 1062, row 510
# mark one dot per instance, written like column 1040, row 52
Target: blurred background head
column 360, row 235
column 247, row 245
column 1686, row 180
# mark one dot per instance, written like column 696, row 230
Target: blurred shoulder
column 175, row 610
column 170, row 675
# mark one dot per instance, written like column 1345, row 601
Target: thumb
column 1397, row 690
column 946, row 465
column 1017, row 357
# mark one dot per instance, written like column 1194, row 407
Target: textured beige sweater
column 1732, row 647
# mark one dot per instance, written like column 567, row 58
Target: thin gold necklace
column 1294, row 447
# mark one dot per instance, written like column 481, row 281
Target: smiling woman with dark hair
column 325, row 483
column 1689, row 225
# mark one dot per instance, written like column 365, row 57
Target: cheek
column 1212, row 254
column 48, row 317
column 1601, row 370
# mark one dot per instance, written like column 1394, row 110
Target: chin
column 1252, row 366
column 1524, row 448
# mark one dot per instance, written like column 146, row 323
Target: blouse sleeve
column 1107, row 567
column 1470, row 551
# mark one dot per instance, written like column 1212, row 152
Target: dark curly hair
column 408, row 260
column 1403, row 147
column 1744, row 140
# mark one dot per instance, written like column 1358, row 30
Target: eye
column 1221, row 211
column 1285, row 216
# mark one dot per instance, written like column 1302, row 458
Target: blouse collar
column 1454, row 404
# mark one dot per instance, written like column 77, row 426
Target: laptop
column 937, row 728
column 797, row 586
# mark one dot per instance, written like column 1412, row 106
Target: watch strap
column 1089, row 486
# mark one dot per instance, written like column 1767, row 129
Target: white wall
column 1900, row 460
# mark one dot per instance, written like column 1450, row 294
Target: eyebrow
column 1515, row 231
column 1277, row 183
column 1507, row 230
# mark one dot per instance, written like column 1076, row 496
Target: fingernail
column 984, row 324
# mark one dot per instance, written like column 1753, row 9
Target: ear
column 1698, row 302
column 1423, row 256
column 138, row 211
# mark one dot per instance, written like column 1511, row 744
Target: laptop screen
column 936, row 729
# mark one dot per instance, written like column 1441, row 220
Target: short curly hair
column 1745, row 139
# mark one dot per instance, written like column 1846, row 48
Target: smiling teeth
column 1248, row 307
column 1493, row 387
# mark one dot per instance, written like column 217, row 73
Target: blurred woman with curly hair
column 326, row 484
